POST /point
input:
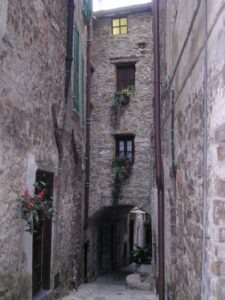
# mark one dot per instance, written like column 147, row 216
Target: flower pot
column 126, row 99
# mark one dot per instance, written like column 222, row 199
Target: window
column 76, row 67
column 119, row 26
column 125, row 147
column 125, row 76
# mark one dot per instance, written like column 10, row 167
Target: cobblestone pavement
column 109, row 287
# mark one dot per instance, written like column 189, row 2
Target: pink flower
column 26, row 193
column 41, row 194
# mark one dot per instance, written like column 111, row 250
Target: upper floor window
column 125, row 76
column 125, row 147
column 119, row 26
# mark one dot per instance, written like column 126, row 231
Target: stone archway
column 115, row 232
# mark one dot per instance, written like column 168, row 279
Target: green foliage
column 141, row 255
column 121, row 170
column 122, row 98
column 35, row 209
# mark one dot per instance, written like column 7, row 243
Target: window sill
column 124, row 60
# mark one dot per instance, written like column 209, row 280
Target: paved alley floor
column 109, row 287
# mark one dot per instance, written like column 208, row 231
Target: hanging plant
column 35, row 209
column 121, row 169
column 122, row 97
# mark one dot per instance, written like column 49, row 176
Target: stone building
column 42, row 137
column 121, row 122
column 192, row 120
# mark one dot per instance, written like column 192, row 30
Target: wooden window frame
column 120, row 26
column 129, row 80
column 125, row 139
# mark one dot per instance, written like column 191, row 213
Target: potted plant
column 122, row 97
column 141, row 255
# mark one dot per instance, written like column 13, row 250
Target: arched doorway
column 119, row 235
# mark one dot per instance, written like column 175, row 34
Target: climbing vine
column 121, row 171
column 120, row 99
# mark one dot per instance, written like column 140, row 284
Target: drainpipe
column 158, row 158
column 204, row 285
column 69, row 45
column 87, row 155
column 88, row 87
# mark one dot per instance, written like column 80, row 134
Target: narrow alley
column 109, row 287
column 112, row 149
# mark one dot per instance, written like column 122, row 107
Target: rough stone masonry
column 38, row 131
column 193, row 92
column 135, row 118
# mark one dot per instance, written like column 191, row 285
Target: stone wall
column 38, row 130
column 215, row 259
column 136, row 117
column 192, row 92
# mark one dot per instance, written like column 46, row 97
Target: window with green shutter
column 87, row 10
column 83, row 91
column 76, row 54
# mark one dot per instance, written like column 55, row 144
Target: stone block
column 221, row 251
column 222, row 269
column 221, row 152
column 220, row 133
column 220, row 187
column 218, row 211
column 222, row 235
column 220, row 289
column 135, row 281
column 215, row 267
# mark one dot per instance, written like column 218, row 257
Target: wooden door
column 42, row 242
column 131, row 236
column 100, row 247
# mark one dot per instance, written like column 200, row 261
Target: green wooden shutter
column 76, row 47
column 83, row 90
column 87, row 10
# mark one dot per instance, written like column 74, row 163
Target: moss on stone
column 3, row 291
column 66, row 275
column 15, row 288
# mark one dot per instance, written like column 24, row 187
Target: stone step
column 42, row 295
column 140, row 282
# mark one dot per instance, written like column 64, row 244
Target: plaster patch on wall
column 3, row 18
column 31, row 173
column 27, row 240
